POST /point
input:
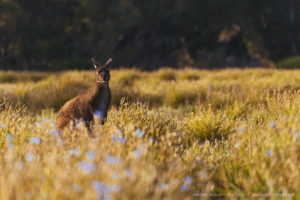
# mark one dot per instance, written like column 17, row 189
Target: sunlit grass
column 177, row 134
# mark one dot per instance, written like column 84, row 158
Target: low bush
column 290, row 63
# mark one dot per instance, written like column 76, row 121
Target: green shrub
column 290, row 63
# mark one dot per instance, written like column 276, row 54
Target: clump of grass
column 166, row 74
column 189, row 74
column 208, row 125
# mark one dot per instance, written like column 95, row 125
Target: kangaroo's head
column 102, row 71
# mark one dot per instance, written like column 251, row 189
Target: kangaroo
column 95, row 102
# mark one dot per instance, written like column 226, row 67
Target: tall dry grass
column 176, row 134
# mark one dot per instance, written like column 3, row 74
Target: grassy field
column 170, row 134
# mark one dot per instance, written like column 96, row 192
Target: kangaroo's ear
column 108, row 62
column 96, row 63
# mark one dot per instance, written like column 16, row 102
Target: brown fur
column 84, row 106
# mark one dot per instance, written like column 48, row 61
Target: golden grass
column 177, row 134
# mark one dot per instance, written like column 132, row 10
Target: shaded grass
column 15, row 76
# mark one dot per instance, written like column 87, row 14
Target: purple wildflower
column 100, row 188
column 111, row 160
column 9, row 137
column 75, row 152
column 272, row 124
column 151, row 140
column 90, row 155
column 138, row 132
column 269, row 152
column 188, row 180
column 10, row 146
column 184, row 188
column 162, row 187
column 118, row 139
column 86, row 167
column 35, row 140
column 99, row 114
column 29, row 157
column 241, row 129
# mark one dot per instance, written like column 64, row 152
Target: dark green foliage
column 54, row 35
column 290, row 63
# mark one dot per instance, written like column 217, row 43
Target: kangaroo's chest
column 103, row 100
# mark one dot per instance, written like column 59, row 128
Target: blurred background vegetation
column 65, row 34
